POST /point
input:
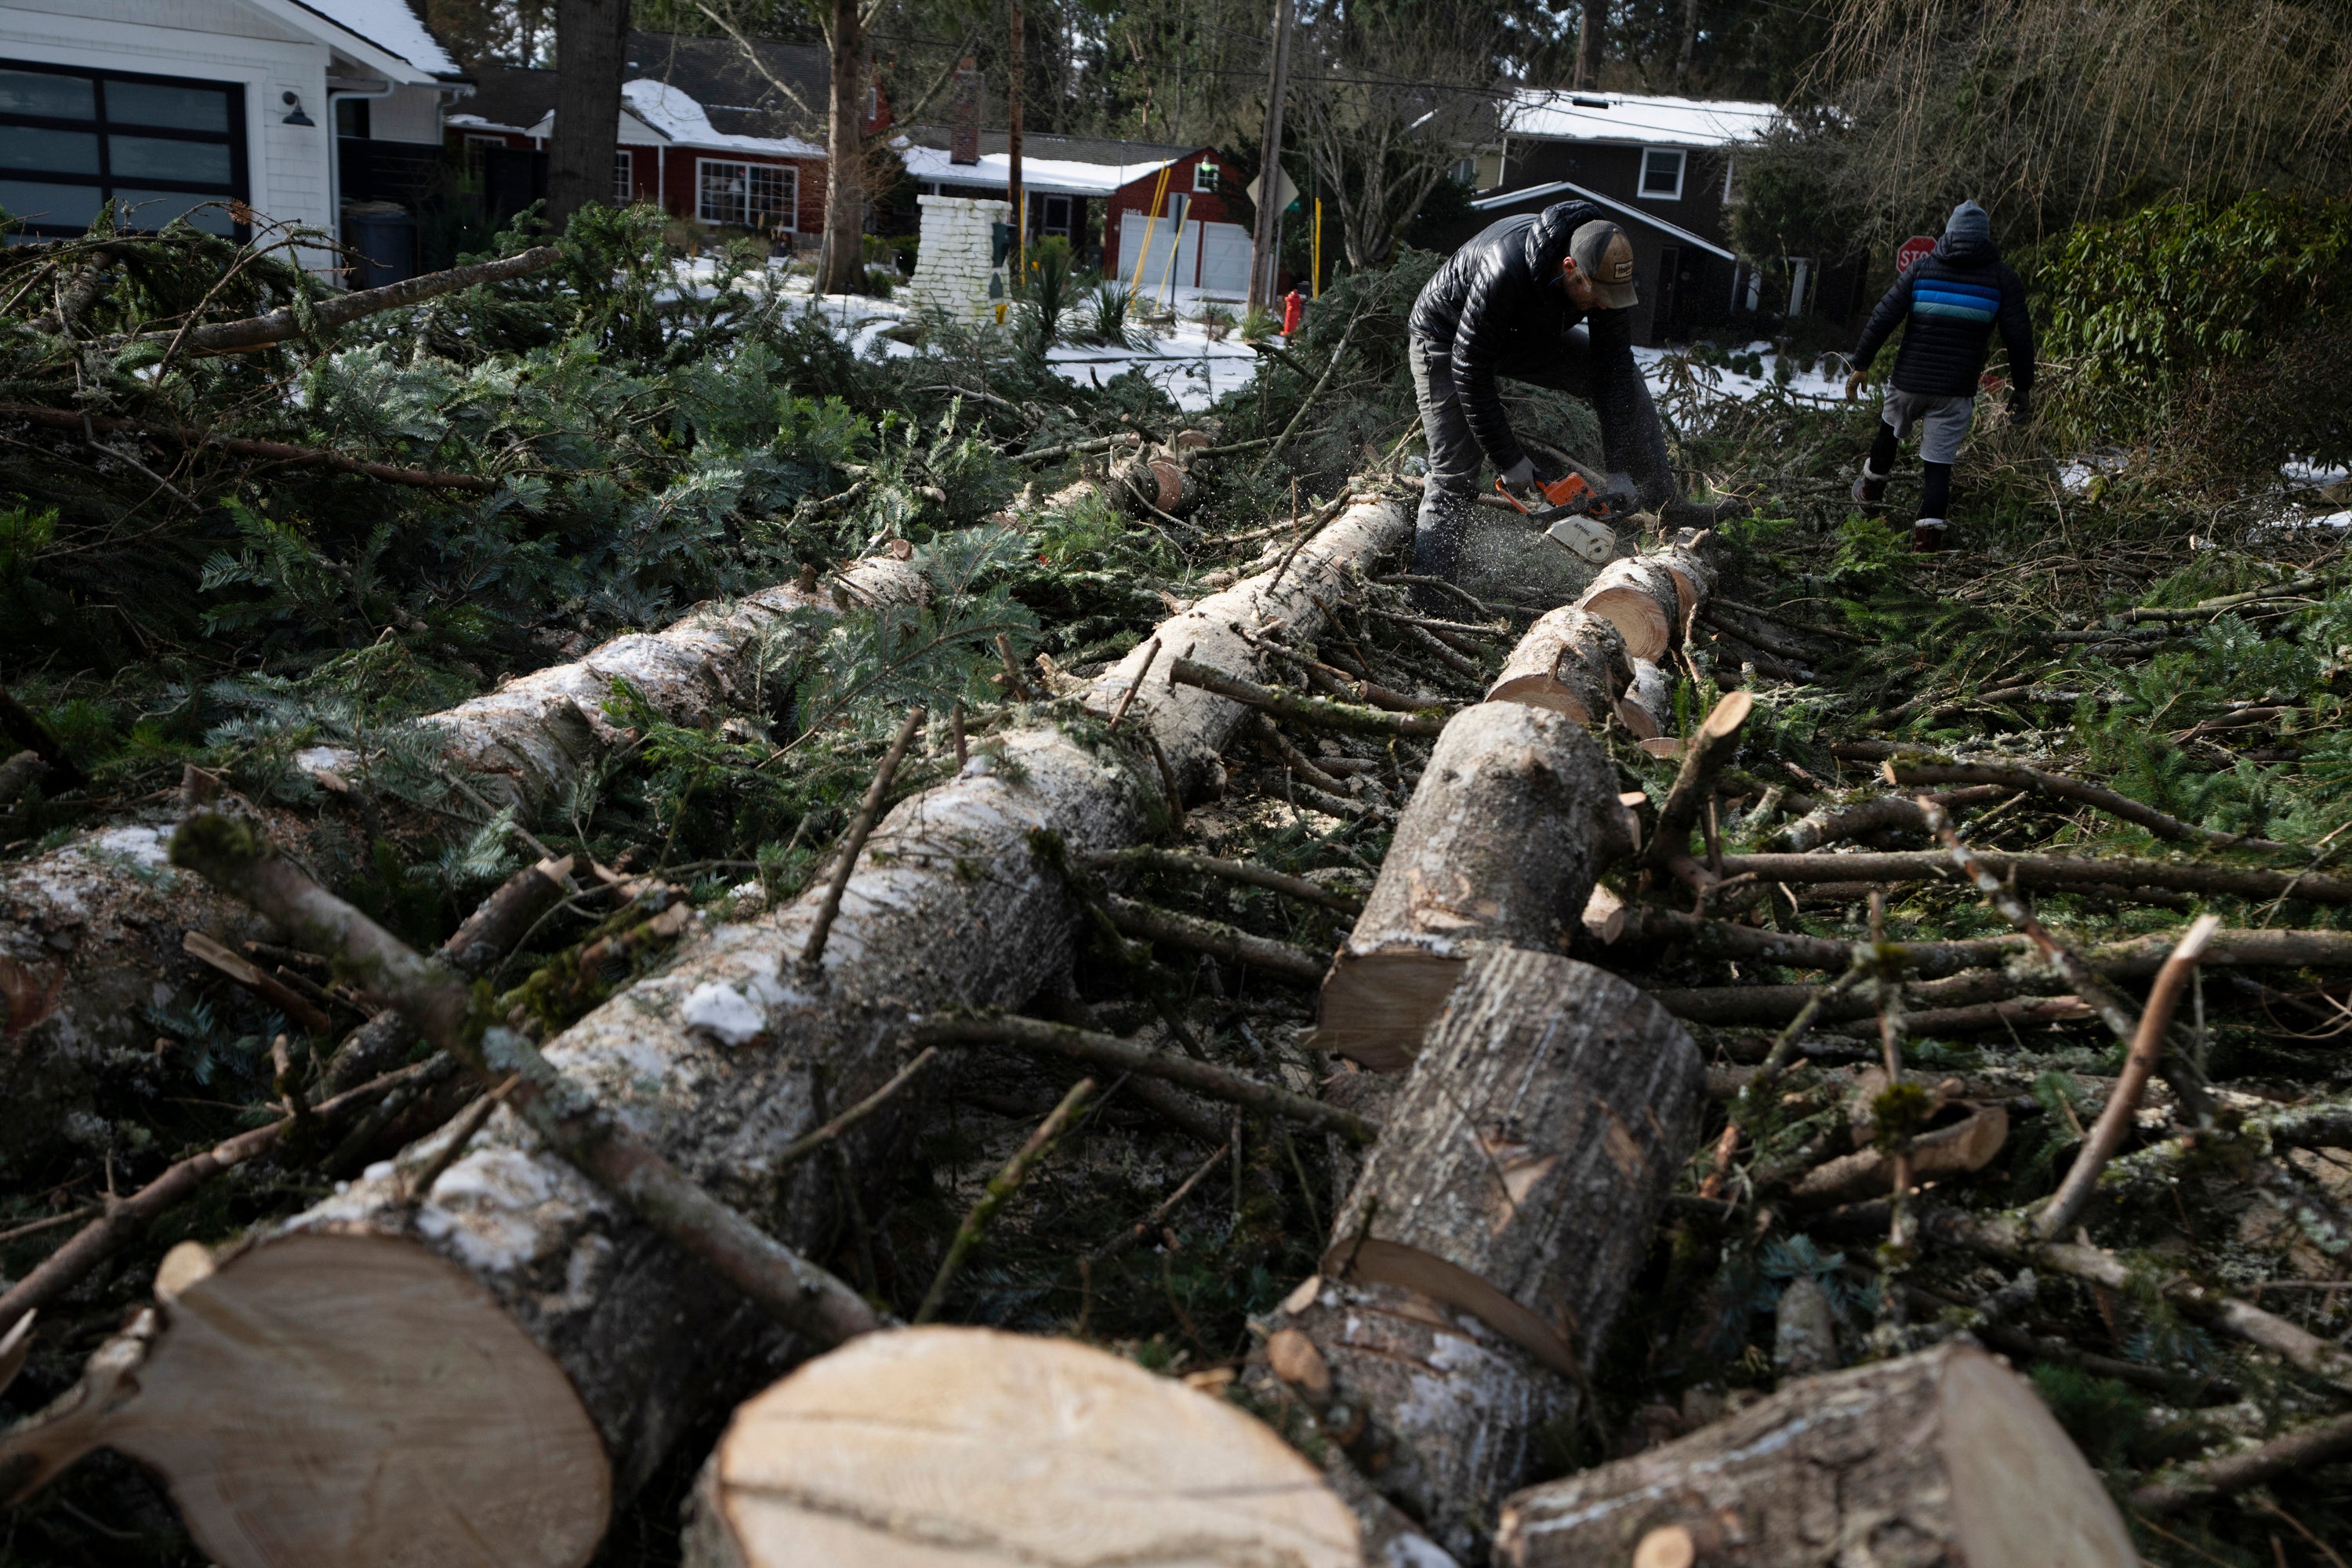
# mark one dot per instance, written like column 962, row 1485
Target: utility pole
column 1264, row 242
column 1013, row 144
column 1588, row 43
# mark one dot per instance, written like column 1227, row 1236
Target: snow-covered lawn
column 1183, row 360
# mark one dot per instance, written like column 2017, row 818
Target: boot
column 1869, row 491
column 1927, row 536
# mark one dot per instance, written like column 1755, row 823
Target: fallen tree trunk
column 720, row 1062
column 91, row 940
column 90, row 932
column 1492, row 1235
column 1942, row 1459
column 904, row 1449
column 1514, row 817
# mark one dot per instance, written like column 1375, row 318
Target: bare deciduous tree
column 1386, row 105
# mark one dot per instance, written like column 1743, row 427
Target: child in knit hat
column 1949, row 305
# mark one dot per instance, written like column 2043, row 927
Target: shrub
column 1109, row 302
column 1215, row 321
column 1048, row 291
column 2209, row 327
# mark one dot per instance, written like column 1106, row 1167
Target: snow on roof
column 476, row 123
column 391, row 26
column 671, row 113
column 1051, row 176
column 1629, row 116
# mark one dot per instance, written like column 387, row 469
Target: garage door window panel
column 158, row 147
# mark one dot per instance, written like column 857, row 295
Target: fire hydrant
column 1294, row 307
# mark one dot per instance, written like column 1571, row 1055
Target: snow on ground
column 1670, row 371
column 1183, row 360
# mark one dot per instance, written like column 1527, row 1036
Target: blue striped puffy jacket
column 1952, row 300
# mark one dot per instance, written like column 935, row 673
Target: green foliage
column 2172, row 315
column 1107, row 303
column 1789, row 207
column 1049, row 291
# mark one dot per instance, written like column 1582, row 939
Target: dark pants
column 1632, row 440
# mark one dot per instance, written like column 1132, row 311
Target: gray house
column 1667, row 170
column 210, row 109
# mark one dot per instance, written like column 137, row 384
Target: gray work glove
column 1520, row 475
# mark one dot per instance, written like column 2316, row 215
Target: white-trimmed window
column 1662, row 174
column 624, row 185
column 749, row 196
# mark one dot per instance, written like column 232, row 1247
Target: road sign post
column 1911, row 250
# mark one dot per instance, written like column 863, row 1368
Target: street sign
column 1289, row 190
column 1911, row 250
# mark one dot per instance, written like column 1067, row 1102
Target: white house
column 172, row 107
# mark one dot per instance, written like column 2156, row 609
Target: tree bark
column 1571, row 661
column 841, row 266
column 1506, row 832
column 591, row 40
column 1590, row 41
column 1650, row 598
column 91, row 939
column 715, row 1062
column 1939, row 1460
column 902, row 1449
column 1489, row 1240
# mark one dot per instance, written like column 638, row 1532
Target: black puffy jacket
column 1952, row 298
column 1497, row 302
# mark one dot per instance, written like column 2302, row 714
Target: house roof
column 778, row 92
column 508, row 98
column 653, row 112
column 1049, row 176
column 1555, row 115
column 1067, row 149
column 671, row 113
column 388, row 34
column 1559, row 190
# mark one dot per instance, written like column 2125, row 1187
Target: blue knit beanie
column 1968, row 221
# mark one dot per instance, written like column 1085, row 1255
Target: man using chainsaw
column 1948, row 304
column 1547, row 299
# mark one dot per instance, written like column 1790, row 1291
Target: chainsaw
column 1579, row 516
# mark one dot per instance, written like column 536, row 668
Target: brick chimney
column 963, row 139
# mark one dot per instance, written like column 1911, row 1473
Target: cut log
column 717, row 1062
column 1571, row 661
column 1513, row 819
column 1159, row 480
column 311, row 1350
column 1650, row 598
column 927, row 1447
column 1489, row 1241
column 1942, row 1459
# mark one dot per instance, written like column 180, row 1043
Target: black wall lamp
column 294, row 116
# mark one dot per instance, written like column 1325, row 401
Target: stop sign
column 1911, row 250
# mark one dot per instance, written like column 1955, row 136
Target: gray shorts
column 1942, row 421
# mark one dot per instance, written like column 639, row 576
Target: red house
column 707, row 135
column 1080, row 187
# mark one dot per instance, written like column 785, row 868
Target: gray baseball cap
column 1605, row 257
